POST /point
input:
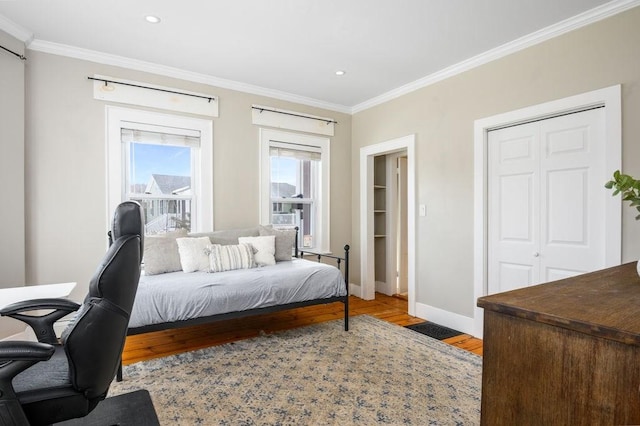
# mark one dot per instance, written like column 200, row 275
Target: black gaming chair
column 50, row 381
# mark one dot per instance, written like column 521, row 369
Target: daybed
column 258, row 270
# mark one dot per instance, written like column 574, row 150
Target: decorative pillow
column 161, row 253
column 285, row 240
column 228, row 236
column 193, row 254
column 264, row 249
column 230, row 257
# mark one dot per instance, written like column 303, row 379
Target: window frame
column 266, row 136
column 202, row 173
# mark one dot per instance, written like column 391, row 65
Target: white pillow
column 193, row 254
column 227, row 258
column 264, row 249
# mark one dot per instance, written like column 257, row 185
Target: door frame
column 367, row 271
column 610, row 98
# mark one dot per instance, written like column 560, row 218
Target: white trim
column 203, row 179
column 15, row 30
column 445, row 318
column 609, row 97
column 135, row 64
column 589, row 17
column 291, row 120
column 130, row 93
column 268, row 135
column 367, row 273
column 354, row 288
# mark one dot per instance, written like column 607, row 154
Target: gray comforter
column 179, row 296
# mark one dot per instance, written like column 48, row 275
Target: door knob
column 536, row 254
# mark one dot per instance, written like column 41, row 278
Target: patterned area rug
column 317, row 375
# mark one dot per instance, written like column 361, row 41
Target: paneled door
column 546, row 207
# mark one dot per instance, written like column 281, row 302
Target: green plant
column 628, row 187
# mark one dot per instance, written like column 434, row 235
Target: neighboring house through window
column 295, row 185
column 165, row 163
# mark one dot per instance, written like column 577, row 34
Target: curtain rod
column 295, row 115
column 24, row 58
column 106, row 82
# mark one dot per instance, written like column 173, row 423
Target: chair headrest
column 128, row 220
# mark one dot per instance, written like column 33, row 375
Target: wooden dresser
column 564, row 353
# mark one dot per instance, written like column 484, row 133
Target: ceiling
column 291, row 49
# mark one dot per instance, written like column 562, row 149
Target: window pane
column 293, row 177
column 164, row 215
column 159, row 178
column 159, row 169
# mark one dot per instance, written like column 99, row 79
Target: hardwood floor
column 167, row 342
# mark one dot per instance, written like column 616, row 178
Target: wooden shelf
column 379, row 211
column 379, row 236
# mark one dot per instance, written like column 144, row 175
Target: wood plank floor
column 167, row 342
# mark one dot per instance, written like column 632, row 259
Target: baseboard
column 446, row 318
column 355, row 290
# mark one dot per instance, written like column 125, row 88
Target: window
column 295, row 186
column 159, row 175
column 163, row 162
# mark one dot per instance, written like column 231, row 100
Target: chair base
column 129, row 409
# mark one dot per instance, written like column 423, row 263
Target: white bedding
column 179, row 296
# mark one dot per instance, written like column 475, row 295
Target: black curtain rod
column 24, row 58
column 209, row 98
column 295, row 115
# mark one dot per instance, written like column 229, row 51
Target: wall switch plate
column 423, row 210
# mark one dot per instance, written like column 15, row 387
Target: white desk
column 17, row 294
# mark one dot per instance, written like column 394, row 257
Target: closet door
column 514, row 207
column 546, row 183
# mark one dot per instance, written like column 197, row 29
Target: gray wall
column 12, row 163
column 65, row 165
column 442, row 117
column 12, row 217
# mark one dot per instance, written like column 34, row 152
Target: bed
column 174, row 299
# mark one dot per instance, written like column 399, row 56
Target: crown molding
column 15, row 30
column 594, row 15
column 135, row 64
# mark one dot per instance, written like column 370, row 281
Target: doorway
column 401, row 147
column 390, row 224
column 609, row 100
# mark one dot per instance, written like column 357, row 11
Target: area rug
column 434, row 330
column 317, row 375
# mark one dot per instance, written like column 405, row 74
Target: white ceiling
column 291, row 48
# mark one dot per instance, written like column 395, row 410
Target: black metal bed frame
column 258, row 311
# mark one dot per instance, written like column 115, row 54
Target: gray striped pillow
column 227, row 258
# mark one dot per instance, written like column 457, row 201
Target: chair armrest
column 42, row 325
column 25, row 351
column 15, row 357
column 30, row 305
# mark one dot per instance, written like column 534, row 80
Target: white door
column 546, row 200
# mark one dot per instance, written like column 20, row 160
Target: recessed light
column 340, row 72
column 152, row 19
